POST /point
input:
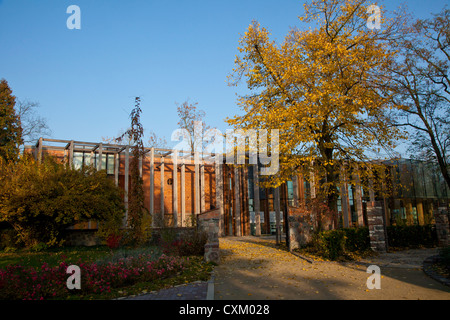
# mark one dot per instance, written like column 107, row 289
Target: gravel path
column 252, row 268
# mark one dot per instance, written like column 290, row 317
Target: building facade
column 179, row 185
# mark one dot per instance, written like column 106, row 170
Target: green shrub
column 341, row 243
column 8, row 239
column 357, row 239
column 186, row 244
column 41, row 200
column 330, row 243
column 193, row 244
column 38, row 247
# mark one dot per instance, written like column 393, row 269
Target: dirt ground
column 253, row 268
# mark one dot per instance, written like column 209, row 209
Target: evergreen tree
column 10, row 127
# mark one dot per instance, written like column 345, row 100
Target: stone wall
column 300, row 227
column 209, row 222
column 377, row 227
column 82, row 237
column 441, row 217
column 170, row 233
column 88, row 237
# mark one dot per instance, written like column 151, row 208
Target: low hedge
column 334, row 244
column 343, row 243
column 412, row 236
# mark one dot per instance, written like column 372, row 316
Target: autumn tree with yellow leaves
column 318, row 88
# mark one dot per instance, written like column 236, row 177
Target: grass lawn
column 196, row 269
column 54, row 256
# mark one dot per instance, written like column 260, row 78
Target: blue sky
column 163, row 51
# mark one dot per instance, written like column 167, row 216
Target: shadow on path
column 256, row 268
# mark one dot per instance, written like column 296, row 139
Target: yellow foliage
column 318, row 87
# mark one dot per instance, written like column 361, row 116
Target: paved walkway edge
column 427, row 268
column 302, row 257
column 210, row 289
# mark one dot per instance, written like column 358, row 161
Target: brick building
column 177, row 186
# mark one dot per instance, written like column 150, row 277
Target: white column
column 219, row 195
column 152, row 185
column 183, row 192
column 39, row 150
column 202, row 186
column 196, row 183
column 295, row 189
column 344, row 199
column 71, row 154
column 91, row 161
column 175, row 187
column 100, row 154
column 276, row 204
column 312, row 184
column 256, row 202
column 358, row 199
column 237, row 213
column 116, row 168
column 162, row 190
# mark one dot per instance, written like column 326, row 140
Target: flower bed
column 20, row 282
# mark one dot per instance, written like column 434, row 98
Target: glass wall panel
column 440, row 186
column 351, row 201
column 306, row 188
column 251, row 188
column 250, row 205
column 419, row 186
column 103, row 165
column 77, row 160
column 110, row 164
column 429, row 179
column 394, row 173
column 87, row 159
column 290, row 192
column 442, row 190
column 406, row 183
column 103, row 161
column 81, row 159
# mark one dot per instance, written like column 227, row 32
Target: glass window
column 290, row 190
column 430, row 183
column 87, row 159
column 250, row 205
column 103, row 165
column 406, row 188
column 81, row 159
column 306, row 188
column 77, row 160
column 110, row 164
column 104, row 156
column 251, row 188
column 419, row 186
